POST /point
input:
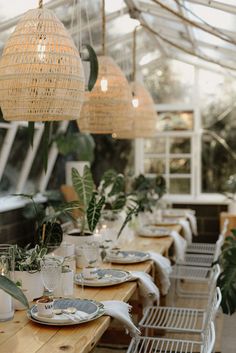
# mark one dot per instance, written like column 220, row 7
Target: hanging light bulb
column 106, row 113
column 104, row 84
column 135, row 101
column 143, row 117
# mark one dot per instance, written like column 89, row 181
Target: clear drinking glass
column 50, row 273
column 89, row 256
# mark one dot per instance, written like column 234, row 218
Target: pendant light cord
column 103, row 28
column 134, row 50
column 40, row 4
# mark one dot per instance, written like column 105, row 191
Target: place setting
column 102, row 277
column 126, row 257
column 64, row 312
column 153, row 231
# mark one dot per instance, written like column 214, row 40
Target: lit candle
column 6, row 306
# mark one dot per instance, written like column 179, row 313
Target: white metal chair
column 205, row 259
column 205, row 248
column 166, row 345
column 181, row 320
column 193, row 274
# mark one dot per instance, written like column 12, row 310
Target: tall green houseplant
column 227, row 278
column 89, row 204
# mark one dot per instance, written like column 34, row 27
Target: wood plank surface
column 23, row 336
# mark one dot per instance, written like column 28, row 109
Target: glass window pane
column 180, row 165
column 180, row 145
column 14, row 164
column 154, row 165
column 169, row 81
column 2, row 136
column 179, row 186
column 174, row 121
column 155, row 145
column 217, row 162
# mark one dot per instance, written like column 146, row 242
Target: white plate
column 153, row 231
column 169, row 221
column 88, row 309
column 106, row 277
column 127, row 257
column 177, row 212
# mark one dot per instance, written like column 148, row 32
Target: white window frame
column 30, row 155
column 196, row 195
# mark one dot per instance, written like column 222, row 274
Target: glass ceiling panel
column 228, row 2
column 213, row 17
column 9, row 11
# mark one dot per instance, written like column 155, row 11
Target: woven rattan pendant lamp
column 41, row 73
column 108, row 106
column 144, row 113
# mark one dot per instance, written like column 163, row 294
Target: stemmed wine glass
column 50, row 273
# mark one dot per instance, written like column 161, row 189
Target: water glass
column 51, row 273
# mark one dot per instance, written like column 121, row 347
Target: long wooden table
column 20, row 335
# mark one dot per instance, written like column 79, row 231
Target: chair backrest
column 212, row 306
column 225, row 227
column 215, row 272
column 209, row 338
column 221, row 240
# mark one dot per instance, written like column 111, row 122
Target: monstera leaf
column 227, row 278
column 94, row 211
column 83, row 186
column 11, row 288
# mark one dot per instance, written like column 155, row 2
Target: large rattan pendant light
column 144, row 113
column 107, row 107
column 41, row 73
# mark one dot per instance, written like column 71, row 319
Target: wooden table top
column 20, row 335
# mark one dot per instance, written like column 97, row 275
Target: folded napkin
column 121, row 311
column 180, row 245
column 193, row 222
column 187, row 232
column 147, row 288
column 163, row 267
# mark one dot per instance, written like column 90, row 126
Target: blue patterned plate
column 105, row 277
column 127, row 257
column 87, row 310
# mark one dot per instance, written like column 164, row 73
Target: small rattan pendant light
column 107, row 107
column 144, row 114
column 41, row 73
